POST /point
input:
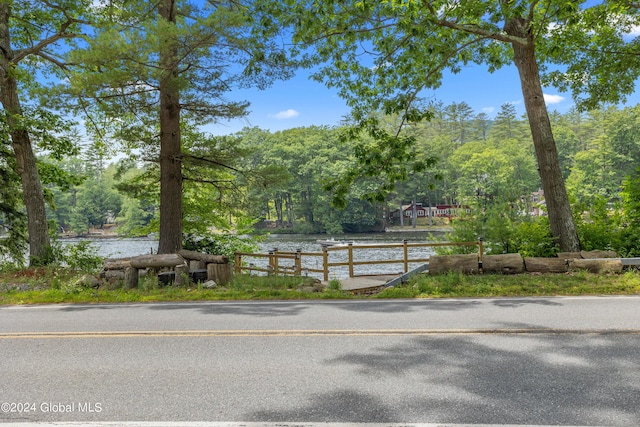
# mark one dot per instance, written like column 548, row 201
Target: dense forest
column 104, row 103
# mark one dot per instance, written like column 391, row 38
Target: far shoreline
column 154, row 236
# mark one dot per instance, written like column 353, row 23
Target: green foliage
column 52, row 135
column 303, row 227
column 389, row 156
column 72, row 258
column 148, row 283
column 381, row 55
column 96, row 204
column 220, row 244
column 605, row 68
column 82, row 257
column 612, row 226
column 531, row 238
column 335, row 285
column 503, row 230
column 490, row 285
column 629, row 245
column 293, row 194
column 631, row 199
column 134, row 219
column 13, row 221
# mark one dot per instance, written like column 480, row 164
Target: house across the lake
column 438, row 211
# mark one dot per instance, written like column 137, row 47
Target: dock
column 364, row 284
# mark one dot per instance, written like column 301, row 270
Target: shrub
column 82, row 257
column 532, row 238
column 503, row 232
column 220, row 244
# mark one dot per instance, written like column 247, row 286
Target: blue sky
column 303, row 102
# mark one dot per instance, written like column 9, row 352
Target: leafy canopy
column 381, row 55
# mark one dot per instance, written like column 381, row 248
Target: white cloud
column 635, row 31
column 553, row 99
column 286, row 114
column 488, row 110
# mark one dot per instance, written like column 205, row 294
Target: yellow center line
column 310, row 333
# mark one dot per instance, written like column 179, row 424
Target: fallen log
column 467, row 264
column 157, row 261
column 598, row 254
column 194, row 264
column 545, row 265
column 117, row 263
column 112, row 275
column 199, row 256
column 503, row 263
column 596, row 265
column 569, row 255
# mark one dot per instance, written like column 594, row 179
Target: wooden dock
column 374, row 283
column 364, row 282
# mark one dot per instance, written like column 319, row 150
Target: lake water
column 127, row 247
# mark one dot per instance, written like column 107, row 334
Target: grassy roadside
column 40, row 286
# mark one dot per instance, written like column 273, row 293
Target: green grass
column 40, row 286
column 459, row 285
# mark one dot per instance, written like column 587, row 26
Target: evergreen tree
column 156, row 67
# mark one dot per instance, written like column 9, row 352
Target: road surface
column 533, row 361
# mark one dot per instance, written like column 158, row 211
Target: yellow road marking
column 309, row 333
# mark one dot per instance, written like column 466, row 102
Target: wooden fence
column 291, row 263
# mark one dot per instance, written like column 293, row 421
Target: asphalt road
column 532, row 361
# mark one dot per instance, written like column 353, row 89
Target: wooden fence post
column 480, row 254
column 325, row 263
column 276, row 264
column 270, row 267
column 298, row 262
column 350, row 250
column 238, row 265
column 406, row 255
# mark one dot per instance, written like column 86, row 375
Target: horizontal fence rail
column 291, row 263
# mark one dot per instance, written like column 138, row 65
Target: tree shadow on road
column 404, row 306
column 340, row 405
column 263, row 309
column 550, row 379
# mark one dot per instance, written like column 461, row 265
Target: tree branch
column 51, row 59
column 473, row 29
column 60, row 34
column 212, row 162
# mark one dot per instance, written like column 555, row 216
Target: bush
column 501, row 233
column 220, row 244
column 532, row 238
column 80, row 257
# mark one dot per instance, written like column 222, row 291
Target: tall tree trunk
column 561, row 220
column 277, row 202
column 170, row 143
column 38, row 230
column 414, row 213
column 289, row 209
